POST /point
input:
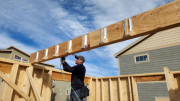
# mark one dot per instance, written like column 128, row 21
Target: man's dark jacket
column 78, row 74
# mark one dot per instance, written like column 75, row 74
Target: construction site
column 31, row 82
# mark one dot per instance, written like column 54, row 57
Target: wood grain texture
column 51, row 51
column 115, row 94
column 41, row 55
column 5, row 67
column 76, row 44
column 106, row 90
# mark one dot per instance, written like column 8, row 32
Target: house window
column 60, row 91
column 17, row 58
column 67, row 91
column 24, row 60
column 141, row 58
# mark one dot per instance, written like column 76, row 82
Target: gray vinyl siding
column 158, row 59
column 148, row 91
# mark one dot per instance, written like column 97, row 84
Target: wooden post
column 135, row 90
column 96, row 89
column 102, row 90
column 26, row 87
column 49, row 86
column 169, row 82
column 41, row 81
column 110, row 89
column 13, row 79
column 38, row 98
column 90, row 90
column 130, row 93
column 119, row 88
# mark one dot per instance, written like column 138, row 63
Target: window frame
column 17, row 59
column 139, row 56
column 60, row 91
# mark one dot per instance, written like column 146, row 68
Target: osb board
column 32, row 57
column 93, row 92
column 62, row 48
column 106, row 90
column 98, row 88
column 51, row 51
column 161, row 99
column 125, row 89
column 115, row 94
column 5, row 67
column 41, row 55
column 95, row 38
column 177, row 82
column 44, row 85
column 76, row 44
column 115, row 31
column 21, row 74
column 171, row 13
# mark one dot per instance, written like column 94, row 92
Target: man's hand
column 62, row 60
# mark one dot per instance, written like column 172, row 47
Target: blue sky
column 33, row 25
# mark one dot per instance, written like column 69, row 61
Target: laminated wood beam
column 161, row 18
column 14, row 86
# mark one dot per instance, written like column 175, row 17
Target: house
column 150, row 54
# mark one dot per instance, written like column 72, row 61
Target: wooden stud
column 49, row 86
column 40, row 81
column 26, row 85
column 130, row 93
column 102, row 90
column 38, row 98
column 119, row 89
column 13, row 79
column 15, row 87
column 97, row 89
column 169, row 82
column 89, row 98
column 5, row 88
column 135, row 90
column 110, row 89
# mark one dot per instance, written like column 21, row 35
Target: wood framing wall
column 161, row 18
column 23, row 81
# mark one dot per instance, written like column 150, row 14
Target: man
column 77, row 78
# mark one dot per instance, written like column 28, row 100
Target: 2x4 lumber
column 14, row 86
column 5, row 88
column 135, row 90
column 37, row 95
column 176, row 97
column 169, row 82
column 12, row 62
column 49, row 86
column 130, row 93
column 13, row 79
column 89, row 98
column 40, row 81
column 164, row 17
column 102, row 90
column 119, row 89
column 26, row 87
column 150, row 78
column 97, row 98
column 110, row 90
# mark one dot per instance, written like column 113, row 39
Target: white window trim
column 141, row 55
column 25, row 59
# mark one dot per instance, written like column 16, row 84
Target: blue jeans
column 73, row 96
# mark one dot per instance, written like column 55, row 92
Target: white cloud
column 6, row 41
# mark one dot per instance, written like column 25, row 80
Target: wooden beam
column 150, row 78
column 15, row 87
column 41, row 81
column 13, row 79
column 5, row 88
column 130, row 93
column 38, row 98
column 49, row 86
column 5, row 67
column 119, row 90
column 59, row 76
column 110, row 89
column 176, row 97
column 161, row 18
column 102, row 90
column 12, row 62
column 135, row 90
column 169, row 82
column 97, row 90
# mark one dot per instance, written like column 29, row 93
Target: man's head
column 79, row 59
